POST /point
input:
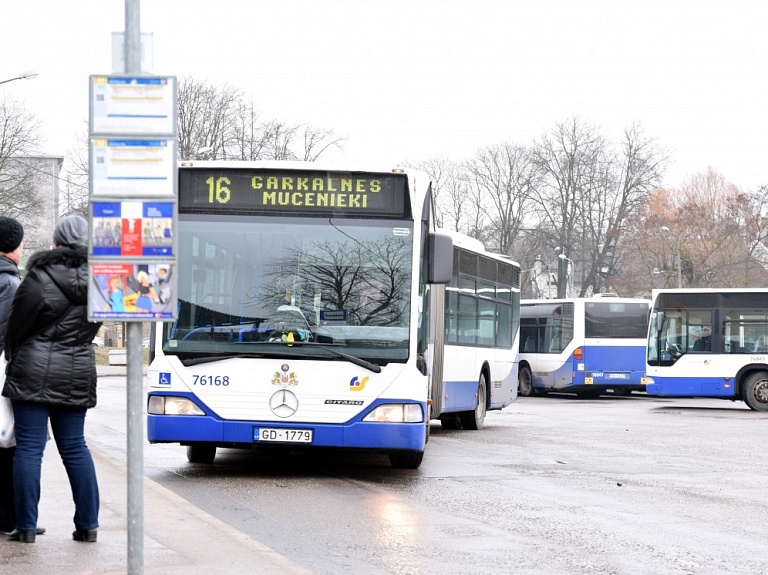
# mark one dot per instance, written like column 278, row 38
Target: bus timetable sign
column 259, row 191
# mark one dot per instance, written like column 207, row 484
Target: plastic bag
column 7, row 434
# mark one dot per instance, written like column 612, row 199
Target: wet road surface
column 550, row 485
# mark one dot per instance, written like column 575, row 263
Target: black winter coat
column 48, row 338
column 9, row 283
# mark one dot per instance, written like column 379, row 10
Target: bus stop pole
column 135, row 411
column 134, row 358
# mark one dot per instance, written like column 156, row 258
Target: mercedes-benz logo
column 284, row 403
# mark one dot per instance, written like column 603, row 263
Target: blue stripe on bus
column 459, row 396
column 689, row 387
column 614, row 365
column 353, row 433
column 610, row 366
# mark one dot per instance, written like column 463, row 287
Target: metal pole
column 134, row 358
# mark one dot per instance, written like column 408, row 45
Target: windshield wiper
column 369, row 365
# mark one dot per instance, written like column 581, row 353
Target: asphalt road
column 550, row 485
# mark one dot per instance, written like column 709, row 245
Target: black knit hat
column 11, row 234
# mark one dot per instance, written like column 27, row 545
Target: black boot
column 85, row 535
column 23, row 536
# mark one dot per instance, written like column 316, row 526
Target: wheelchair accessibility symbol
column 164, row 378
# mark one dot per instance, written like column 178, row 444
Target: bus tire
column 406, row 459
column 525, row 382
column 201, row 452
column 475, row 418
column 755, row 391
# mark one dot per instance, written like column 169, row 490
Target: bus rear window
column 616, row 320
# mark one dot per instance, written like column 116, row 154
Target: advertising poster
column 129, row 291
column 132, row 229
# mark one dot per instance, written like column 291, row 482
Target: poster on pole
column 131, row 291
column 133, row 105
column 132, row 229
column 133, row 167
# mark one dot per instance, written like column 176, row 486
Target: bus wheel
column 450, row 421
column 406, row 459
column 755, row 391
column 201, row 453
column 525, row 382
column 474, row 419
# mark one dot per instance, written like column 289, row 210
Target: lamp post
column 197, row 154
column 22, row 76
column 569, row 276
column 678, row 263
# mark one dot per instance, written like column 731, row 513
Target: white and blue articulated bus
column 311, row 314
column 585, row 346
column 482, row 330
column 709, row 343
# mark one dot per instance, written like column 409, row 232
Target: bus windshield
column 248, row 283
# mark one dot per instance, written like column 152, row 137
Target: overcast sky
column 411, row 80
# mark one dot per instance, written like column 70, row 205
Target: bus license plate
column 283, row 435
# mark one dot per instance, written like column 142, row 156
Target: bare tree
column 19, row 177
column 76, row 185
column 629, row 178
column 570, row 160
column 220, row 121
column 504, row 178
column 589, row 191
column 317, row 141
column 450, row 190
column 206, row 118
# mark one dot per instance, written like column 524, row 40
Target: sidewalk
column 178, row 537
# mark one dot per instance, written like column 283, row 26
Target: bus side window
column 530, row 343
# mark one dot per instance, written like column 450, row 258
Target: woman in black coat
column 51, row 374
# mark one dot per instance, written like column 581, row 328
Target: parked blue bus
column 585, row 346
column 709, row 343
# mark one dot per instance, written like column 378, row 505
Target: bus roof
column 322, row 166
column 655, row 293
column 475, row 245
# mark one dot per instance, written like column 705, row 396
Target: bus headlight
column 396, row 413
column 171, row 405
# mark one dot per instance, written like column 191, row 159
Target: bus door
column 685, row 349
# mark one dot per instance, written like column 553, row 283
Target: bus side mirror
column 659, row 320
column 440, row 258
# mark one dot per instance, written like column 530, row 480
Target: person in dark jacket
column 51, row 374
column 11, row 246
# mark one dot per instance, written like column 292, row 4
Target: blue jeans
column 31, row 421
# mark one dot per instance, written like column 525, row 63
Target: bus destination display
column 259, row 191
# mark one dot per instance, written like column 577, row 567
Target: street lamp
column 202, row 153
column 22, row 76
column 570, row 276
column 665, row 229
